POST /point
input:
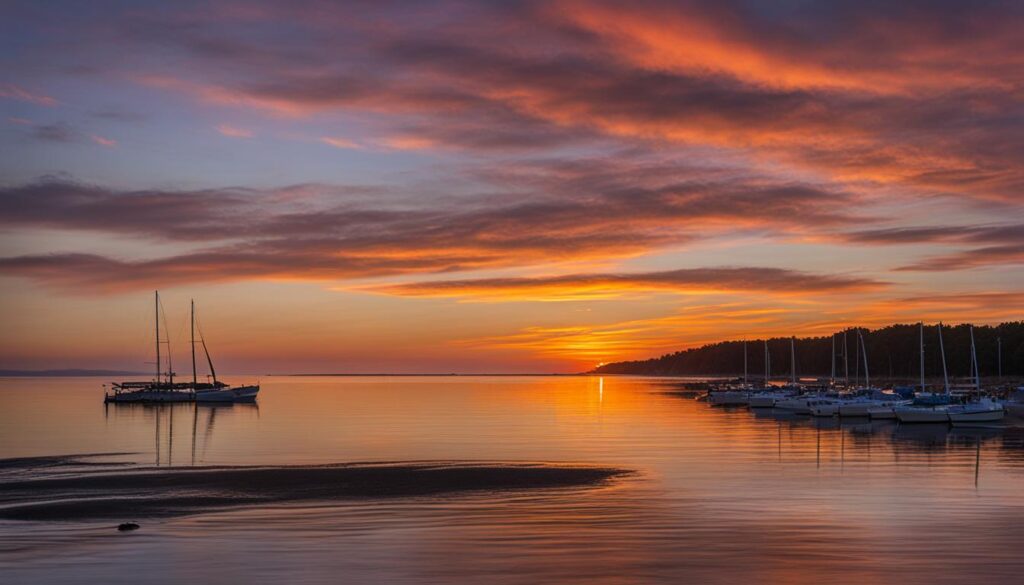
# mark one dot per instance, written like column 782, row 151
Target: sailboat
column 982, row 410
column 887, row 411
column 215, row 391
column 768, row 397
column 868, row 398
column 730, row 395
column 162, row 388
column 800, row 403
column 928, row 408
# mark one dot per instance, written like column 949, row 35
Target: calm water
column 720, row 496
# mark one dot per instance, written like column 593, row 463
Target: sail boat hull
column 238, row 394
column 149, row 396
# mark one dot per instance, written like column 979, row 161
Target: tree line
column 892, row 352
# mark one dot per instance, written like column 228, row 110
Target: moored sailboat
column 163, row 388
column 982, row 410
column 934, row 410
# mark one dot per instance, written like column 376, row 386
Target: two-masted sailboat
column 163, row 388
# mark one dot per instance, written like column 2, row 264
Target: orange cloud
column 576, row 287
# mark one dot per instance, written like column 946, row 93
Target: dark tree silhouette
column 893, row 352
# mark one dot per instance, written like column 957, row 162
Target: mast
column 209, row 361
column 846, row 360
column 832, row 379
column 921, row 325
column 167, row 335
column 767, row 363
column 999, row 357
column 856, row 360
column 792, row 358
column 974, row 363
column 744, row 362
column 864, row 348
column 156, row 305
column 942, row 351
column 192, row 323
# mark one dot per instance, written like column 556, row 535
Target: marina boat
column 984, row 410
column 796, row 402
column 927, row 408
column 163, row 388
column 767, row 397
column 730, row 395
column 857, row 406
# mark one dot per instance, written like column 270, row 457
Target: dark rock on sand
column 127, row 526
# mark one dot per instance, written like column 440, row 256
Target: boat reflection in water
column 188, row 426
column 718, row 495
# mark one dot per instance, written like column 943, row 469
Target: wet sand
column 149, row 492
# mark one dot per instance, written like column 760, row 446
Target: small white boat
column 924, row 412
column 984, row 410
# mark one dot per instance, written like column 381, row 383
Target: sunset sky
column 500, row 187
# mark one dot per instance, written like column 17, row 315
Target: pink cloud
column 15, row 92
column 340, row 142
column 233, row 132
column 109, row 142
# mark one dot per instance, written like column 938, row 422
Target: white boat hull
column 922, row 415
column 761, row 401
column 882, row 412
column 825, row 410
column 797, row 405
column 984, row 416
column 985, row 410
column 728, row 398
column 857, row 408
column 239, row 394
column 149, row 396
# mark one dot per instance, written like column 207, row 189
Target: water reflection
column 719, row 495
column 939, row 444
column 200, row 419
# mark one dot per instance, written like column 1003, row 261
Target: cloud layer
column 779, row 154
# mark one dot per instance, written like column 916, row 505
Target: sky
column 500, row 187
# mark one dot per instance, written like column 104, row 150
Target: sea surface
column 716, row 495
